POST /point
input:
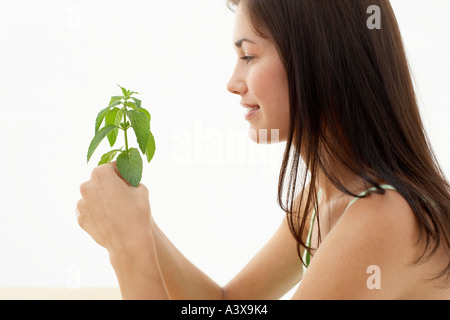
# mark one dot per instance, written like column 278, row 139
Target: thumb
column 116, row 169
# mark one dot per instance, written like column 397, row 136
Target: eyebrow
column 238, row 44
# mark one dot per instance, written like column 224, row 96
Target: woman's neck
column 348, row 179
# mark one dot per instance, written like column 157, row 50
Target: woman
column 373, row 220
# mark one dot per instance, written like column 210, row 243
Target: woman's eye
column 247, row 58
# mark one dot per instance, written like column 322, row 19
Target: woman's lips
column 251, row 111
column 247, row 105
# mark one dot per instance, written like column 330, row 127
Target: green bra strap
column 306, row 255
column 383, row 186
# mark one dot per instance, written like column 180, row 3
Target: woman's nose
column 236, row 85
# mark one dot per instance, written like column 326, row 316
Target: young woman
column 371, row 220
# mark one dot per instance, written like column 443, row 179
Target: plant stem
column 125, row 131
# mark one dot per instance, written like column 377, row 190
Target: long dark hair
column 352, row 103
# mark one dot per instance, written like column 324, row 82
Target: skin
column 260, row 79
column 381, row 229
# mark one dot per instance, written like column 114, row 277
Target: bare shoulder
column 377, row 233
column 388, row 215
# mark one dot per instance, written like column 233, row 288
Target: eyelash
column 247, row 58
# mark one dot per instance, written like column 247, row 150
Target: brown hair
column 352, row 102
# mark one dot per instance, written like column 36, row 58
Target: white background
column 212, row 190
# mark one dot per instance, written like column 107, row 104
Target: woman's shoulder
column 388, row 216
column 391, row 229
column 378, row 232
column 388, row 211
column 388, row 224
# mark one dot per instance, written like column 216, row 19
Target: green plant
column 129, row 161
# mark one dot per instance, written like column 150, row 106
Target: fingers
column 79, row 210
column 114, row 166
column 116, row 169
column 108, row 172
column 143, row 190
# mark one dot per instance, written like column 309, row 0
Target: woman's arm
column 273, row 271
column 149, row 266
column 182, row 278
column 138, row 273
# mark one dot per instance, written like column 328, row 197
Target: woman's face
column 260, row 79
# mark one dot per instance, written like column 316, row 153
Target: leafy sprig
column 122, row 113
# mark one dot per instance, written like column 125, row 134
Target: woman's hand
column 116, row 215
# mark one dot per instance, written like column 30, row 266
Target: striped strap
column 362, row 194
column 306, row 254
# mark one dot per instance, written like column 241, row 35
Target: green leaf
column 115, row 99
column 124, row 126
column 114, row 103
column 113, row 117
column 137, row 102
column 125, row 92
column 147, row 113
column 108, row 157
column 151, row 148
column 141, row 126
column 130, row 166
column 99, row 136
column 102, row 114
column 131, row 105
